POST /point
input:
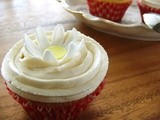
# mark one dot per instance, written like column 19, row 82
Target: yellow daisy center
column 57, row 51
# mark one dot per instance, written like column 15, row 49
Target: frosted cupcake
column 55, row 75
column 109, row 9
column 149, row 6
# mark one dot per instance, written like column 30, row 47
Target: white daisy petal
column 31, row 47
column 28, row 50
column 73, row 49
column 58, row 35
column 47, row 56
column 81, row 44
column 42, row 38
column 71, row 38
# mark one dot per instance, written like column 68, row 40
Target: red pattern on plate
column 55, row 111
column 111, row 11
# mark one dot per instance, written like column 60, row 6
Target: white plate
column 130, row 27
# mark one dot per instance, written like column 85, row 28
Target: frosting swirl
column 32, row 71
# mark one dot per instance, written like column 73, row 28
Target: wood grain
column 132, row 91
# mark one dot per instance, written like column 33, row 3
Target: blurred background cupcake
column 149, row 6
column 109, row 9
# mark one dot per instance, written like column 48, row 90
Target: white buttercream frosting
column 152, row 3
column 33, row 72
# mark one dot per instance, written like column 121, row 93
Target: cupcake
column 149, row 6
column 54, row 75
column 109, row 9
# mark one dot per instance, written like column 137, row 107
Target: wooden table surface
column 133, row 88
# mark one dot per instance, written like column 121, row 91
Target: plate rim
column 98, row 19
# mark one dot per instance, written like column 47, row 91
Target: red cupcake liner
column 146, row 9
column 55, row 111
column 107, row 10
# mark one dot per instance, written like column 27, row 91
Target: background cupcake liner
column 108, row 10
column 55, row 111
column 146, row 9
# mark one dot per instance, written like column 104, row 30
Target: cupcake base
column 108, row 10
column 146, row 9
column 55, row 111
